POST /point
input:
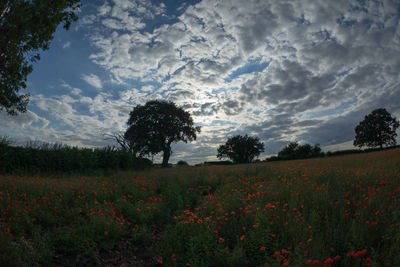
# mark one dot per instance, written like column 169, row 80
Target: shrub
column 182, row 163
column 49, row 158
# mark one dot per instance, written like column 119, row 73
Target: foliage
column 50, row 158
column 377, row 129
column 338, row 211
column 120, row 139
column 220, row 162
column 294, row 150
column 152, row 128
column 182, row 163
column 357, row 151
column 241, row 149
column 26, row 27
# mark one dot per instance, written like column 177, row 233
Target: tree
column 26, row 27
column 182, row 163
column 288, row 151
column 377, row 129
column 241, row 149
column 294, row 150
column 120, row 139
column 152, row 128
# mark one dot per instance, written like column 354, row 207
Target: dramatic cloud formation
column 281, row 70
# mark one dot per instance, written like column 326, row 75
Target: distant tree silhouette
column 152, row 128
column 294, row 150
column 377, row 129
column 289, row 150
column 182, row 163
column 241, row 149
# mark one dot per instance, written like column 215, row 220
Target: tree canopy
column 153, row 127
column 26, row 27
column 377, row 129
column 241, row 149
column 294, row 150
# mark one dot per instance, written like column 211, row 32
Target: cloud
column 328, row 62
column 23, row 120
column 67, row 45
column 76, row 91
column 289, row 70
column 93, row 80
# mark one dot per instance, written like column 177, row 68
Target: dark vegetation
column 377, row 129
column 182, row 163
column 153, row 127
column 338, row 211
column 45, row 158
column 333, row 153
column 26, row 28
column 241, row 149
column 294, row 150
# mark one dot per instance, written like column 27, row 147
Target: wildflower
column 328, row 262
column 221, row 240
column 159, row 260
column 105, row 233
column 360, row 253
column 263, row 248
column 277, row 254
column 242, row 237
column 173, row 257
column 350, row 254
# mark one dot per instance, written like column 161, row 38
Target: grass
column 339, row 211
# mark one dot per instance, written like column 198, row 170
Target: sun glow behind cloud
column 282, row 70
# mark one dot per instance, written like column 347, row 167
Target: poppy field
column 337, row 211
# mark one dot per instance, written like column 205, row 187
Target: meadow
column 337, row 211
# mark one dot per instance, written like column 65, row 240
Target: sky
column 283, row 71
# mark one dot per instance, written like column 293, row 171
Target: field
column 337, row 211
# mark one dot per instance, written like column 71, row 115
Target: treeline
column 55, row 158
column 294, row 150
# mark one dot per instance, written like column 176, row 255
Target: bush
column 182, row 163
column 50, row 158
column 294, row 150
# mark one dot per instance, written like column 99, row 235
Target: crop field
column 337, row 211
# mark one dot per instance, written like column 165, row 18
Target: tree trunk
column 166, row 155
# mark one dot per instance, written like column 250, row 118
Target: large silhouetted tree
column 153, row 127
column 241, row 149
column 377, row 129
column 26, row 27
